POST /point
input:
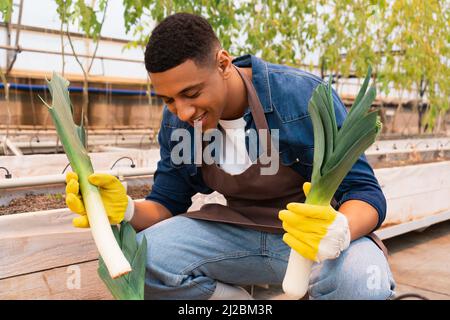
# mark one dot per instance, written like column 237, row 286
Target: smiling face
column 193, row 92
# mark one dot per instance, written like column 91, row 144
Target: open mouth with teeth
column 201, row 118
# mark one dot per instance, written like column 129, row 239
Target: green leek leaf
column 319, row 145
column 363, row 89
column 336, row 151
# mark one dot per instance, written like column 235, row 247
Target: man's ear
column 224, row 63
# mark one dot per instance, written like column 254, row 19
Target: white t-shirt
column 234, row 158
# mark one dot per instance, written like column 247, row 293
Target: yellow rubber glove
column 316, row 232
column 112, row 191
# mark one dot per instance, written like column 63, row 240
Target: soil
column 32, row 203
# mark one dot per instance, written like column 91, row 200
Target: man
column 211, row 252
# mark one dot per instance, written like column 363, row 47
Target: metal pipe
column 51, row 144
column 61, row 178
column 20, row 49
column 8, row 175
column 18, row 130
column 38, row 87
column 132, row 162
column 18, row 137
column 9, row 144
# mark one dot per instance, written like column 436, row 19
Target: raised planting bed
column 42, row 255
column 417, row 196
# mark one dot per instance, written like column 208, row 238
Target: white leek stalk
column 335, row 152
column 72, row 138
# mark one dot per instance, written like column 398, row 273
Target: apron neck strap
column 256, row 107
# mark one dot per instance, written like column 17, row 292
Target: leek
column 130, row 286
column 335, row 152
column 109, row 240
column 73, row 138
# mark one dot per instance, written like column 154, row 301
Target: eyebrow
column 191, row 87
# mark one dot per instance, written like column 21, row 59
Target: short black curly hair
column 177, row 38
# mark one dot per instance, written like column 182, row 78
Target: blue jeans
column 186, row 257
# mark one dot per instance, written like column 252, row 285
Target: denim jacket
column 284, row 93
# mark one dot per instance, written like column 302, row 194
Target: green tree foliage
column 89, row 19
column 421, row 31
column 6, row 9
column 86, row 17
column 406, row 41
column 275, row 30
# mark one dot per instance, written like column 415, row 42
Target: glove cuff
column 348, row 236
column 129, row 212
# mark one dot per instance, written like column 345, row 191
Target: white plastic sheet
column 415, row 191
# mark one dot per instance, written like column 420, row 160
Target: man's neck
column 237, row 95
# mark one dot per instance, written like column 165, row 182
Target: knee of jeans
column 356, row 274
column 162, row 257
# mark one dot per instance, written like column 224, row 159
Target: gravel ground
column 55, row 201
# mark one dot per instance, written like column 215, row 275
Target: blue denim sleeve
column 170, row 186
column 360, row 183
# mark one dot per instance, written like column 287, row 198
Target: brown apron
column 253, row 199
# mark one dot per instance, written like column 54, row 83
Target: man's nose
column 185, row 112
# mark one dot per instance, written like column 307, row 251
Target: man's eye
column 192, row 96
column 168, row 101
